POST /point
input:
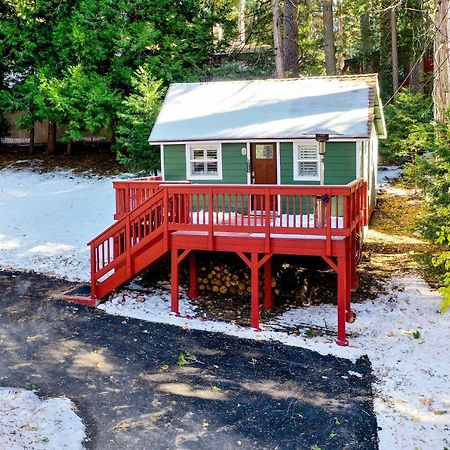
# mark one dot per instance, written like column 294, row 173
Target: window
column 306, row 161
column 264, row 151
column 204, row 162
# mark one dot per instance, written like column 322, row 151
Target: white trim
column 217, row 146
column 243, row 140
column 278, row 146
column 358, row 160
column 295, row 156
column 249, row 164
column 161, row 152
column 368, row 160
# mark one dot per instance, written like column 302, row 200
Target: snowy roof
column 343, row 107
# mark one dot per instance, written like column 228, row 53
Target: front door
column 264, row 163
column 264, row 170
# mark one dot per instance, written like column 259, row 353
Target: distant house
column 267, row 131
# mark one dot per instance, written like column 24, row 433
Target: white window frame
column 204, row 146
column 297, row 176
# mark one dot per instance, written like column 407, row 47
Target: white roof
column 269, row 109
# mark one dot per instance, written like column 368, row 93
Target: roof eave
column 255, row 139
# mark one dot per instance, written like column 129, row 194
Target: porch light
column 321, row 138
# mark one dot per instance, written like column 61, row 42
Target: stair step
column 80, row 294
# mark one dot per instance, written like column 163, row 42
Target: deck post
column 268, row 297
column 353, row 276
column 174, row 282
column 193, row 288
column 255, row 290
column 349, row 257
column 342, row 279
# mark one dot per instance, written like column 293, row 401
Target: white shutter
column 307, row 161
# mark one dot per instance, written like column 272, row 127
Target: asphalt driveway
column 140, row 385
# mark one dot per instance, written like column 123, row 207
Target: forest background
column 104, row 65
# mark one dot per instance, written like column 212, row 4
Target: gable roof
column 343, row 107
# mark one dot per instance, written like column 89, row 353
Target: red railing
column 113, row 251
column 268, row 210
column 263, row 211
column 132, row 193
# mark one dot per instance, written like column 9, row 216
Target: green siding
column 340, row 163
column 234, row 165
column 174, row 162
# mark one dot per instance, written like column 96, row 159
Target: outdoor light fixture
column 244, row 151
column 321, row 138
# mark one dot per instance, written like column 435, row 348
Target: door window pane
column 264, row 151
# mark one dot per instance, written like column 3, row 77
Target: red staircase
column 129, row 246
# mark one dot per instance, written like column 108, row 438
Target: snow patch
column 387, row 174
column 26, row 421
column 47, row 220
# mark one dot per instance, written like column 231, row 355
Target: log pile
column 226, row 279
column 231, row 278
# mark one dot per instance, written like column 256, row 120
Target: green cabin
column 269, row 131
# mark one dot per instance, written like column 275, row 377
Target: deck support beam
column 175, row 278
column 254, row 263
column 255, row 290
column 193, row 288
column 268, row 297
column 342, row 281
column 353, row 275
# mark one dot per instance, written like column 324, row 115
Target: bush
column 410, row 128
column 135, row 121
column 423, row 147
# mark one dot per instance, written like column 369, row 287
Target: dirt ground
column 140, row 385
column 97, row 159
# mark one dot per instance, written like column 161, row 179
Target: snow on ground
column 27, row 422
column 402, row 333
column 47, row 220
column 387, row 174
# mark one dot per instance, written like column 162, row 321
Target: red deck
column 254, row 221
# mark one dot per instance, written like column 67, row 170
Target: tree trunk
column 340, row 38
column 366, row 43
column 415, row 78
column 328, row 38
column 113, row 132
column 277, row 38
column 51, row 138
column 241, row 21
column 394, row 53
column 290, row 40
column 441, row 61
column 385, row 50
column 69, row 148
column 31, row 142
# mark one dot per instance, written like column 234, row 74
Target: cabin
column 258, row 168
column 269, row 131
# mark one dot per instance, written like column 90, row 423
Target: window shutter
column 307, row 151
column 307, row 163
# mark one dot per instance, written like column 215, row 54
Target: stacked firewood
column 231, row 278
column 226, row 279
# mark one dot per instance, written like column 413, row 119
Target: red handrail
column 132, row 193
